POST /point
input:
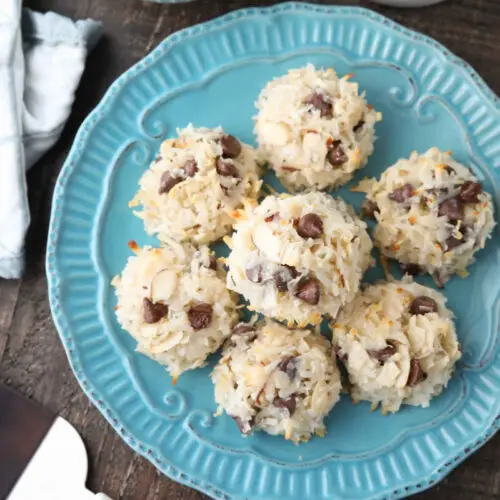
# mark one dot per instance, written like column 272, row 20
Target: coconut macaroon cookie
column 398, row 343
column 432, row 214
column 314, row 129
column 298, row 257
column 277, row 380
column 173, row 300
column 199, row 177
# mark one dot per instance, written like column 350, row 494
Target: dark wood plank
column 31, row 356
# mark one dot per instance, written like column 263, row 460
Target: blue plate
column 211, row 74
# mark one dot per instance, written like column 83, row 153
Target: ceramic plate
column 211, row 74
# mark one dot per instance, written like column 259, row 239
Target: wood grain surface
column 32, row 359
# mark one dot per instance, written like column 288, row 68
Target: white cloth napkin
column 42, row 57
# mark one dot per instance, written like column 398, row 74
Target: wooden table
column 31, row 356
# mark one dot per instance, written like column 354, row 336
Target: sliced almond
column 314, row 144
column 163, row 285
column 275, row 133
column 267, row 242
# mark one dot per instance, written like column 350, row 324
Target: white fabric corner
column 14, row 210
column 47, row 101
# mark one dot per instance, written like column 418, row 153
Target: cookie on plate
column 198, row 179
column 298, row 257
column 174, row 301
column 432, row 214
column 277, row 380
column 314, row 129
column 398, row 343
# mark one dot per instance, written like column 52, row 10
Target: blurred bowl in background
column 168, row 1
column 394, row 3
column 408, row 3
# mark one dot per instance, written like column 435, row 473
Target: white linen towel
column 42, row 58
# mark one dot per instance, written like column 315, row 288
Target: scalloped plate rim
column 68, row 169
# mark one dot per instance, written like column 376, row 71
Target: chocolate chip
column 243, row 328
column 283, row 276
column 358, row 126
column 226, row 168
column 416, row 374
column 423, row 305
column 336, row 155
column 368, row 208
column 450, row 170
column 153, row 312
column 288, row 365
column 309, row 291
column 451, row 208
column 245, row 427
column 254, row 274
column 167, row 182
column 290, row 404
column 292, row 271
column 452, row 242
column 411, row 269
column 280, row 283
column 212, row 259
column 190, row 168
column 469, row 191
column 310, row 226
column 384, row 354
column 319, row 102
column 402, row 194
column 231, row 147
column 200, row 316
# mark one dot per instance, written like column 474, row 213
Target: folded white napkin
column 42, row 57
